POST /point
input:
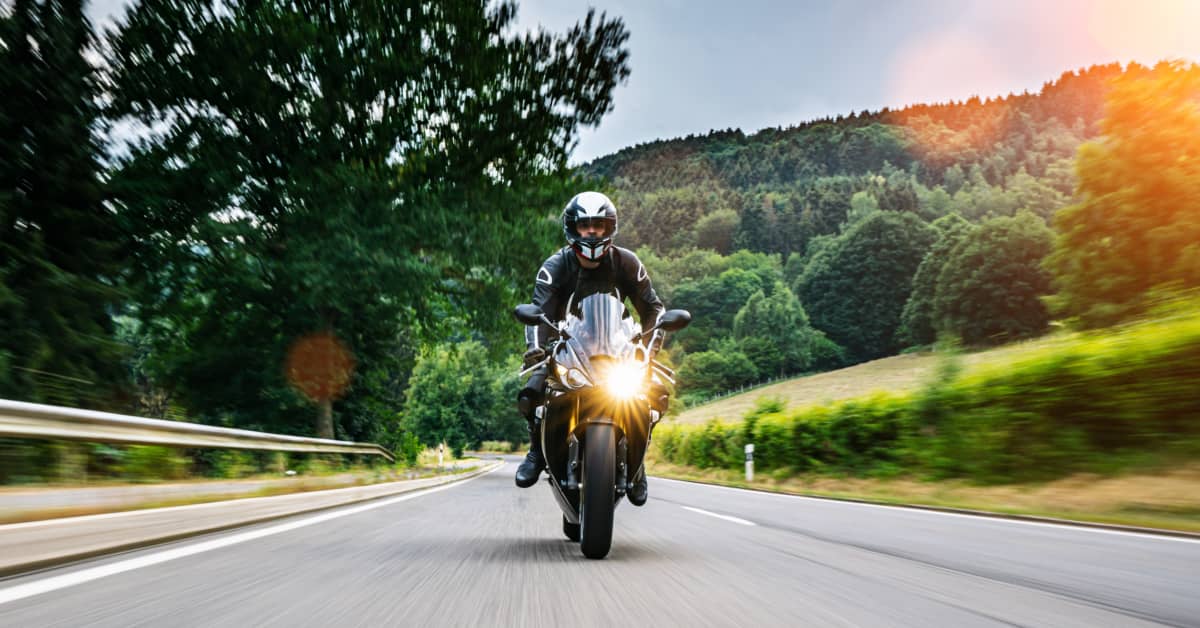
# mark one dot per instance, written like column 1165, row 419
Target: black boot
column 638, row 493
column 531, row 469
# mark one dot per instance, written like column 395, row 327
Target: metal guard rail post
column 32, row 420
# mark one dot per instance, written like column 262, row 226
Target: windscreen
column 596, row 326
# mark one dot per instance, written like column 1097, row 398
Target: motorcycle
column 605, row 393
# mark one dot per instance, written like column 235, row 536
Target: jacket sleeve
column 546, row 296
column 641, row 291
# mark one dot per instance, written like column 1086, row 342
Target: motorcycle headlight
column 573, row 378
column 625, row 380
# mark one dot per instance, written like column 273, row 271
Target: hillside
column 892, row 374
column 849, row 239
column 775, row 190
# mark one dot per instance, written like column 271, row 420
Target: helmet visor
column 595, row 227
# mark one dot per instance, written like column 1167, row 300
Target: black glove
column 533, row 356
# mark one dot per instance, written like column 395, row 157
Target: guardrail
column 33, row 420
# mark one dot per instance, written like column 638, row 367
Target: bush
column 717, row 444
column 408, row 449
column 865, row 434
column 1093, row 403
column 148, row 463
column 774, row 444
column 667, row 439
column 709, row 372
column 235, row 463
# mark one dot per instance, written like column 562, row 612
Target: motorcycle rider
column 589, row 264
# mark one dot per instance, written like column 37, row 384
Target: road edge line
column 986, row 514
column 31, row 568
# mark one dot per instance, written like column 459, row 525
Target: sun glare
column 1146, row 31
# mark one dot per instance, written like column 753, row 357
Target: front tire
column 597, row 496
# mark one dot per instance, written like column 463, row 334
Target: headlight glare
column 624, row 380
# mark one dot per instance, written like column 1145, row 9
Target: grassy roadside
column 899, row 373
column 302, row 484
column 1167, row 501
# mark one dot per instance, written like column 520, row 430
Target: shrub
column 774, row 445
column 234, row 463
column 152, row 462
column 1094, row 403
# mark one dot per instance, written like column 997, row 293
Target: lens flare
column 319, row 366
column 624, row 380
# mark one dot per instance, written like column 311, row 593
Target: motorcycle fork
column 622, row 483
column 622, row 467
column 572, row 462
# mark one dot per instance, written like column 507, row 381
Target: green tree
column 713, row 303
column 916, row 321
column 373, row 171
column 59, row 256
column 862, row 204
column 1036, row 196
column 990, row 288
column 773, row 331
column 954, row 179
column 856, row 292
column 1137, row 227
column 709, row 372
column 457, row 396
column 716, row 231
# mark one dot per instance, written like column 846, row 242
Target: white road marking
column 143, row 512
column 997, row 519
column 54, row 583
column 134, row 513
column 725, row 517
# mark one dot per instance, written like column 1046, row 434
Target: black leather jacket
column 561, row 277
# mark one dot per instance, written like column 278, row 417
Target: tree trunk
column 325, row 418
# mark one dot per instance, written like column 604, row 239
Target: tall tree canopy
column 358, row 169
column 856, row 291
column 1137, row 226
column 916, row 321
column 59, row 254
column 990, row 288
column 456, row 396
column 773, row 331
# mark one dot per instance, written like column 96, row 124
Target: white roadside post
column 750, row 463
column 441, row 448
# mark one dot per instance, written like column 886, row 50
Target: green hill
column 775, row 190
column 898, row 373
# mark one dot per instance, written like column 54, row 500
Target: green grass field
column 895, row 374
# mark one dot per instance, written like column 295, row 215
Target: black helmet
column 584, row 207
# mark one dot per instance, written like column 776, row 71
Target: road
column 486, row 553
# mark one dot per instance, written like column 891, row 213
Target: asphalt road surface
column 484, row 553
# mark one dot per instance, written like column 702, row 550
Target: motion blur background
column 314, row 218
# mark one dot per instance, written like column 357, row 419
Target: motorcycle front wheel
column 597, row 496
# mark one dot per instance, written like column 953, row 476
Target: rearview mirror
column 528, row 313
column 674, row 320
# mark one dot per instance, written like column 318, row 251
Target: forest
column 978, row 222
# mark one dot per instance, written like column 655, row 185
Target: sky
column 752, row 64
